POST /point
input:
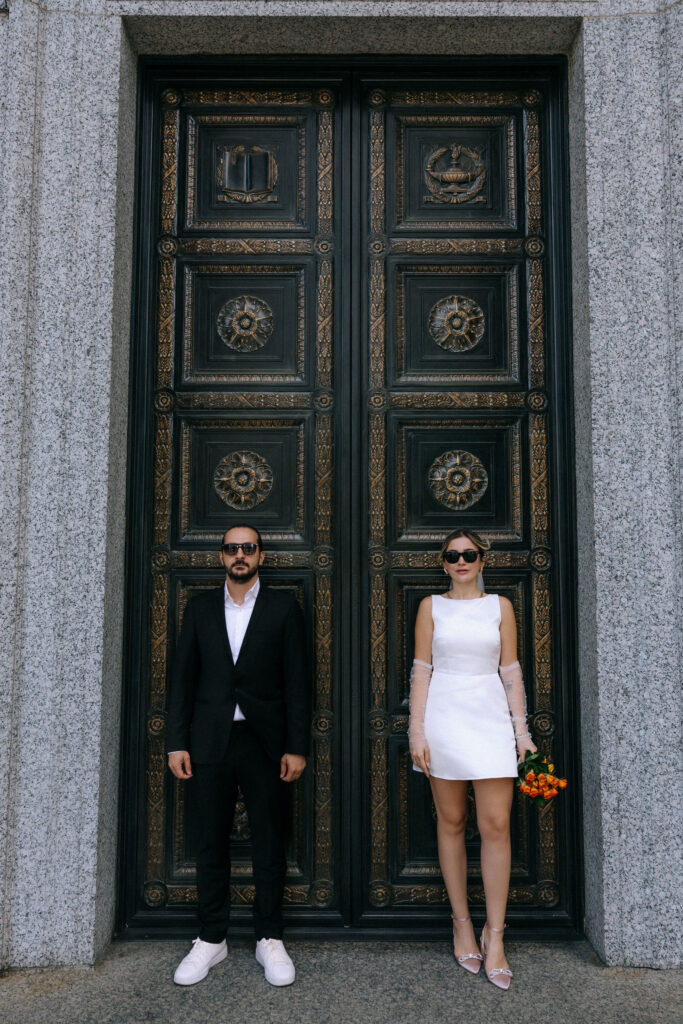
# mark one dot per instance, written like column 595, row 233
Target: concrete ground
column 344, row 983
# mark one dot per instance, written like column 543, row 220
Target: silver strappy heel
column 498, row 976
column 464, row 960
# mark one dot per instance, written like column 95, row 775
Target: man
column 238, row 715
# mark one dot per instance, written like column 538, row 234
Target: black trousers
column 266, row 799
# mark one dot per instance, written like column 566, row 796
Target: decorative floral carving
column 167, row 245
column 534, row 246
column 456, row 323
column 245, row 323
column 380, row 894
column 458, row 479
column 156, row 725
column 243, row 480
column 537, row 400
column 322, row 894
column 164, row 400
column 155, row 894
column 543, row 723
column 172, row 98
column 540, row 559
column 455, row 174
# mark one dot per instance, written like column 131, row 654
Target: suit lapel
column 259, row 608
column 222, row 627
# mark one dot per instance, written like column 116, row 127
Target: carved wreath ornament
column 243, row 480
column 457, row 479
column 455, row 174
column 456, row 323
column 245, row 323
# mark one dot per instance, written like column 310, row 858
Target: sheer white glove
column 420, row 675
column 516, row 698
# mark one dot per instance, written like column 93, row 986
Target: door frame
column 154, row 75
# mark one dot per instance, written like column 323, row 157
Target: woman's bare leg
column 450, row 799
column 494, row 800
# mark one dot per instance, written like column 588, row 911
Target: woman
column 462, row 728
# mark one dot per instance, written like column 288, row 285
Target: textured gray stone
column 344, row 983
column 627, row 495
column 67, row 117
column 66, row 509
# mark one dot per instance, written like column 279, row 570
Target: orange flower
column 547, row 794
column 562, row 783
column 533, row 791
column 542, row 778
column 530, row 776
column 551, row 767
column 553, row 792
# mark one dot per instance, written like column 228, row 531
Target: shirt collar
column 249, row 597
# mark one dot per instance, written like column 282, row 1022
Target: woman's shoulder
column 425, row 604
column 506, row 605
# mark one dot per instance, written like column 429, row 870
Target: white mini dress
column 467, row 722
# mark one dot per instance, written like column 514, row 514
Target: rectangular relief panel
column 449, row 471
column 249, row 172
column 248, row 323
column 453, row 323
column 234, row 468
column 452, row 172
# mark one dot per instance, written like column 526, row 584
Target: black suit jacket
column 270, row 681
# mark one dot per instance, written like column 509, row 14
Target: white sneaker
column 199, row 961
column 273, row 957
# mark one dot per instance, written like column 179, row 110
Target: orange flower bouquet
column 537, row 779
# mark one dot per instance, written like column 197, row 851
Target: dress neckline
column 463, row 600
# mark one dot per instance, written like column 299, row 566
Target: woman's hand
column 420, row 755
column 525, row 744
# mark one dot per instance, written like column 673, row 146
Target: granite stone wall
column 67, row 113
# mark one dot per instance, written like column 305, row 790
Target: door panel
column 343, row 337
column 244, row 425
column 457, row 436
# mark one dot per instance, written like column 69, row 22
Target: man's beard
column 242, row 577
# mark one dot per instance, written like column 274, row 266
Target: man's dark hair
column 245, row 526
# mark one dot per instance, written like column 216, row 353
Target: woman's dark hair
column 481, row 544
column 245, row 526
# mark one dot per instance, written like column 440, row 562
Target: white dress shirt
column 236, row 621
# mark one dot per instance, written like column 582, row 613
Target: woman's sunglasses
column 453, row 557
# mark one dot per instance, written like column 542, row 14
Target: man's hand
column 291, row 767
column 180, row 764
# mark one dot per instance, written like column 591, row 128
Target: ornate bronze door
column 350, row 332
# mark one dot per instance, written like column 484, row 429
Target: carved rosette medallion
column 322, row 894
column 245, row 323
column 456, row 323
column 455, row 174
column 243, row 480
column 543, row 723
column 457, row 479
column 155, row 894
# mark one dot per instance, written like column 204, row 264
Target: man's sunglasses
column 250, row 548
column 453, row 557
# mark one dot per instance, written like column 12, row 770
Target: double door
column 350, row 333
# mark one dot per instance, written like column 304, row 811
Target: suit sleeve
column 297, row 675
column 183, row 683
